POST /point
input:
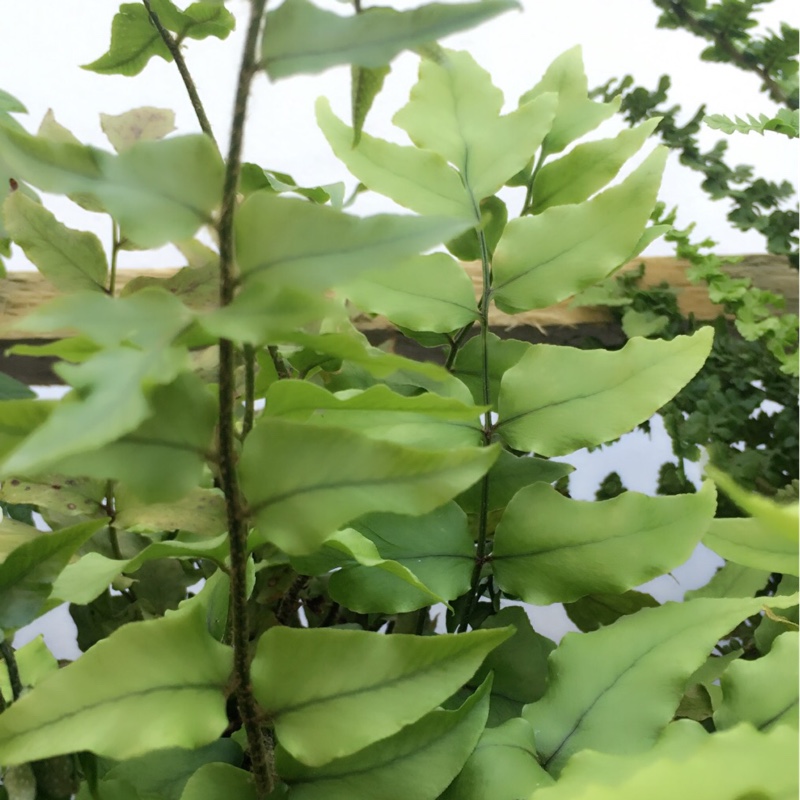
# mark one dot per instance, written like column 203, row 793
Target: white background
column 44, row 43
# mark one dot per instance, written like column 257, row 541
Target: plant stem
column 483, row 517
column 7, row 652
column 526, row 206
column 261, row 752
column 249, row 389
column 115, row 247
column 175, row 49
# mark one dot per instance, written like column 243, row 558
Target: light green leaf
column 786, row 121
column 120, row 713
column 730, row 765
column 598, row 609
column 67, row 497
column 303, row 481
column 138, row 124
column 159, row 191
column 749, row 542
column 425, row 420
column 782, row 520
column 69, row 259
column 519, row 666
column 559, row 399
column 503, row 766
column 494, row 217
column 11, row 389
column 419, row 761
column 13, row 534
column 455, row 111
column 366, row 83
column 201, row 511
column 770, row 628
column 543, row 259
column 198, row 21
column 313, row 683
column 19, row 418
column 84, row 580
column 587, row 168
column 273, row 245
column 369, row 595
column 10, row 104
column 134, row 41
column 763, row 692
column 28, row 572
column 551, row 549
column 163, row 458
column 34, row 662
column 732, row 580
column 616, row 689
column 503, row 354
column 164, row 773
column 576, row 114
column 299, row 37
column 425, row 293
column 220, row 782
column 436, row 549
column 507, row 476
column 415, row 179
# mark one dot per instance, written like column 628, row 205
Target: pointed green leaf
column 19, row 418
column 10, row 104
column 313, row 683
column 543, row 259
column 763, row 692
column 124, row 713
column 419, row 761
column 220, row 782
column 198, row 21
column 436, row 548
column 201, row 511
column 780, row 519
column 616, row 689
column 494, row 216
column 159, row 191
column 576, row 113
column 770, row 628
column 732, row 580
column 134, row 41
column 164, row 773
column 163, row 458
column 425, row 420
column 304, row 481
column 551, row 549
column 455, row 111
column 559, row 399
column 508, row 475
column 300, row 37
column 368, row 593
column 599, row 609
column 69, row 259
column 27, row 574
column 503, row 355
column 11, row 389
column 87, row 578
column 425, row 293
column 740, row 764
column 138, row 124
column 587, row 168
column 366, row 83
column 519, row 666
column 34, row 662
column 749, row 542
column 503, row 766
column 415, row 179
column 13, row 534
column 273, row 246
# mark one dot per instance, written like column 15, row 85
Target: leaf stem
column 175, row 49
column 261, row 751
column 249, row 389
column 528, row 204
column 7, row 652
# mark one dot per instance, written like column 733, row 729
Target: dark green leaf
column 597, row 610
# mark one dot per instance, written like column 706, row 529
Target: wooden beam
column 21, row 292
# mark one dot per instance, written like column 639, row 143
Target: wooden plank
column 21, row 292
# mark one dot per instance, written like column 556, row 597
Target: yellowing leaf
column 139, row 124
